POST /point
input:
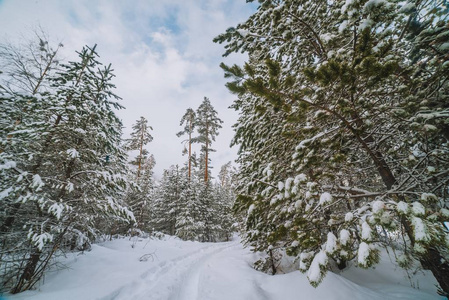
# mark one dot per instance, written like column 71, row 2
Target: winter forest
column 343, row 163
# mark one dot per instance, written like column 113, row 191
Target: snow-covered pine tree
column 207, row 124
column 368, row 152
column 261, row 137
column 139, row 195
column 224, row 190
column 167, row 202
column 202, row 201
column 59, row 174
column 187, row 223
column 147, row 186
column 226, row 174
column 188, row 120
column 140, row 136
column 208, row 226
column 190, row 223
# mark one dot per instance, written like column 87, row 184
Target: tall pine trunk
column 140, row 155
column 207, row 153
column 190, row 148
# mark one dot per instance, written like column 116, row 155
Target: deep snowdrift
column 192, row 270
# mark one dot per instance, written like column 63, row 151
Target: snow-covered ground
column 191, row 270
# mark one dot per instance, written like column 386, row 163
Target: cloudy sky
column 162, row 53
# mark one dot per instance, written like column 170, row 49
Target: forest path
column 211, row 272
column 183, row 270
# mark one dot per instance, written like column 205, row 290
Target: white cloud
column 162, row 53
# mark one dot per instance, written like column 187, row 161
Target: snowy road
column 181, row 278
column 222, row 272
column 206, row 271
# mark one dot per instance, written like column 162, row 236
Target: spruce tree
column 140, row 195
column 67, row 192
column 167, row 203
column 224, row 190
column 187, row 223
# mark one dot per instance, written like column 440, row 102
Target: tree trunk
column 6, row 226
column 140, row 155
column 272, row 263
column 434, row 262
column 207, row 152
column 28, row 272
column 190, row 148
column 32, row 274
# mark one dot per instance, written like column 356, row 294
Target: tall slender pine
column 139, row 138
column 189, row 122
column 207, row 124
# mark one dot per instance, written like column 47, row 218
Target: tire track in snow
column 153, row 272
column 190, row 285
column 177, row 278
column 262, row 294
